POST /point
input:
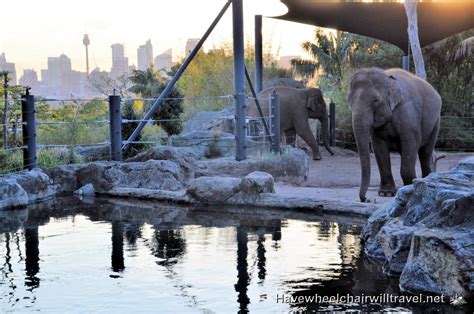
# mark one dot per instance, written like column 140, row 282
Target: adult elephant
column 399, row 111
column 296, row 107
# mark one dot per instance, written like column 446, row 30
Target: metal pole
column 275, row 113
column 405, row 63
column 115, row 117
column 258, row 54
column 239, row 79
column 257, row 103
column 176, row 77
column 29, row 131
column 332, row 124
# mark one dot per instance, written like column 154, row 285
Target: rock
column 290, row 167
column 214, row 121
column 152, row 174
column 288, row 82
column 257, row 182
column 185, row 157
column 426, row 233
column 86, row 190
column 440, row 262
column 207, row 144
column 64, row 177
column 92, row 153
column 36, row 184
column 213, row 190
column 11, row 194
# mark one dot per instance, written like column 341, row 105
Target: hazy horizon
column 50, row 28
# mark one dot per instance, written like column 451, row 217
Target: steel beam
column 258, row 54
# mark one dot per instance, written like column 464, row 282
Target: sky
column 39, row 29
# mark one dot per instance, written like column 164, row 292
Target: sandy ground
column 338, row 176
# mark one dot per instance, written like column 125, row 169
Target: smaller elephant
column 296, row 107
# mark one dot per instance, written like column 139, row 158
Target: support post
column 239, row 79
column 258, row 54
column 29, row 131
column 332, row 124
column 115, row 117
column 405, row 62
column 275, row 116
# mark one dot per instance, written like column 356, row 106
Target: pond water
column 124, row 256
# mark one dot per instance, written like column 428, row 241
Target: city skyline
column 37, row 37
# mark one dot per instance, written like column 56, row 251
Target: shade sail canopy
column 384, row 21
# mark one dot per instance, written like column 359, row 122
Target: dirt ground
column 338, row 176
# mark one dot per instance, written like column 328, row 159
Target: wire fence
column 78, row 130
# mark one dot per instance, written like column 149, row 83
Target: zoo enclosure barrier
column 115, row 122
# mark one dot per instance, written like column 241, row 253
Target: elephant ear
column 311, row 102
column 395, row 92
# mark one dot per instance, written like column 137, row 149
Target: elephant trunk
column 362, row 135
column 325, row 132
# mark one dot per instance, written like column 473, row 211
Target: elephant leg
column 425, row 153
column 290, row 137
column 307, row 135
column 408, row 162
column 382, row 156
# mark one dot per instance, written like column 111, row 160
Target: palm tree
column 330, row 52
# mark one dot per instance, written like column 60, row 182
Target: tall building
column 145, row 56
column 191, row 43
column 119, row 61
column 10, row 67
column 60, row 76
column 29, row 78
column 164, row 61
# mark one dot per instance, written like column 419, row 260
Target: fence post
column 275, row 116
column 115, row 117
column 332, row 124
column 29, row 131
column 239, row 78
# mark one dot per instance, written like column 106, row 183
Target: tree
column 410, row 9
column 329, row 52
column 150, row 84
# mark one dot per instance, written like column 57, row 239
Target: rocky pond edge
column 176, row 175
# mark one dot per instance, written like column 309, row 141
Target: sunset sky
column 38, row 29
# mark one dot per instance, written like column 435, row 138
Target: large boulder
column 213, row 190
column 207, row 144
column 64, row 177
column 220, row 190
column 183, row 156
column 151, row 174
column 212, row 121
column 292, row 166
column 36, row 184
column 426, row 235
column 11, row 194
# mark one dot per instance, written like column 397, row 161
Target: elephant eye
column 376, row 100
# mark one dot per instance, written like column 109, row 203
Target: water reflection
column 243, row 278
column 118, row 261
column 210, row 260
column 32, row 257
